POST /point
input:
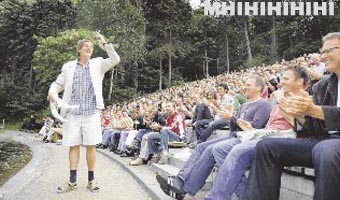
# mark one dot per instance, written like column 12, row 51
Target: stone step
column 164, row 170
column 177, row 159
column 293, row 186
column 297, row 186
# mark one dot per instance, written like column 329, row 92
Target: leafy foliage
column 123, row 23
column 20, row 21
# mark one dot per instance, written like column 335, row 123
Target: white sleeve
column 59, row 84
column 112, row 60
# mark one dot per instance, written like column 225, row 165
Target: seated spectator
column 128, row 123
column 130, row 143
column 31, row 125
column 202, row 111
column 54, row 133
column 239, row 99
column 320, row 119
column 316, row 67
column 108, row 130
column 272, row 81
column 224, row 103
column 106, row 122
column 197, row 168
column 48, row 124
column 187, row 110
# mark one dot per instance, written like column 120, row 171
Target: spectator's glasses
column 329, row 50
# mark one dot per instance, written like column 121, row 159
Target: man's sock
column 73, row 176
column 90, row 175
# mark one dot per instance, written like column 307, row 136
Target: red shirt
column 175, row 121
column 106, row 122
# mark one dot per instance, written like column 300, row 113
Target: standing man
column 81, row 81
column 320, row 116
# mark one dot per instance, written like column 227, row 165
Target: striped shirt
column 83, row 91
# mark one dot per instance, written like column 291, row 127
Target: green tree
column 124, row 24
column 166, row 28
column 20, row 21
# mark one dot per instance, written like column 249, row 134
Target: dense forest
column 162, row 43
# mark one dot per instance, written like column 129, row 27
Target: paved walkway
column 49, row 168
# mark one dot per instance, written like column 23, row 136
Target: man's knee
column 216, row 150
column 163, row 131
column 265, row 146
column 202, row 147
column 145, row 137
column 212, row 124
column 326, row 153
column 201, row 123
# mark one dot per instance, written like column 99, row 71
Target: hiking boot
column 192, row 145
column 138, row 161
column 44, row 138
column 92, row 186
column 68, row 186
column 172, row 186
column 156, row 158
column 164, row 158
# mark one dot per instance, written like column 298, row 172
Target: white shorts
column 82, row 129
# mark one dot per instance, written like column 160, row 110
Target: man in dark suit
column 321, row 150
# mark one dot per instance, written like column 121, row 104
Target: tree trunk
column 170, row 67
column 227, row 44
column 160, row 73
column 135, row 79
column 13, row 73
column 274, row 41
column 203, row 68
column 111, row 85
column 206, row 63
column 30, row 80
column 246, row 34
column 116, row 75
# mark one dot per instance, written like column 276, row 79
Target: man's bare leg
column 74, row 154
column 91, row 163
column 91, row 157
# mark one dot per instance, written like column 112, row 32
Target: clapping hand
column 224, row 114
column 297, row 105
column 244, row 125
